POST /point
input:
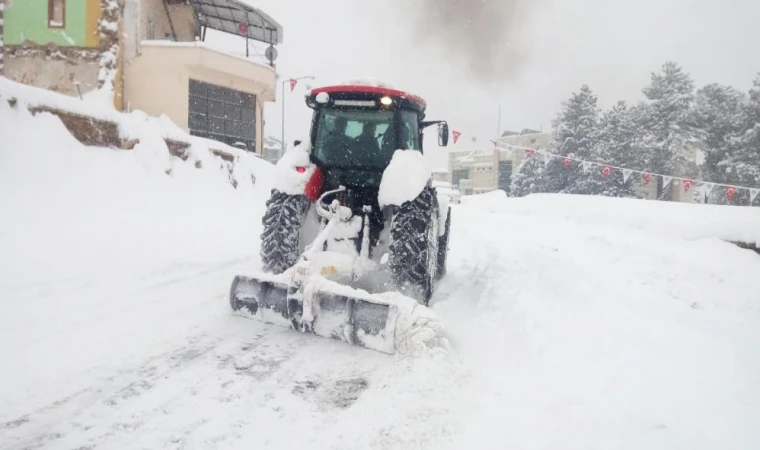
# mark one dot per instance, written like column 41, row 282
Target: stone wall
column 53, row 68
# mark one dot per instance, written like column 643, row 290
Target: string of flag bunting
column 607, row 170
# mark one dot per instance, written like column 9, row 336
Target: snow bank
column 71, row 210
column 34, row 96
column 404, row 178
column 688, row 221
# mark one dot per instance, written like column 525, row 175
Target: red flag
column 566, row 162
column 687, row 185
column 606, row 171
column 730, row 192
column 456, row 135
column 647, row 178
column 293, row 84
column 529, row 152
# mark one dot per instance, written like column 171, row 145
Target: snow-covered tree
column 669, row 131
column 742, row 163
column 719, row 114
column 575, row 136
column 618, row 142
column 529, row 178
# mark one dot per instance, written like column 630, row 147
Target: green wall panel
column 28, row 20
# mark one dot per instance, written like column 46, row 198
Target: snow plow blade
column 358, row 321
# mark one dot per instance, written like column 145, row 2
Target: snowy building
column 151, row 55
column 440, row 174
column 484, row 170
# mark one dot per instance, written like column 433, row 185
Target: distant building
column 484, row 170
column 440, row 175
column 153, row 54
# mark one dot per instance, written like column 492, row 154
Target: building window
column 458, row 175
column 222, row 114
column 56, row 13
column 505, row 176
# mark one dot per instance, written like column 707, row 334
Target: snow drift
column 71, row 210
column 739, row 224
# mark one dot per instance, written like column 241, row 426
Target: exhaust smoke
column 479, row 35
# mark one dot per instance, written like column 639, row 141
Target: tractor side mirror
column 443, row 134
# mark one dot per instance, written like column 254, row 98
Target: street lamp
column 308, row 77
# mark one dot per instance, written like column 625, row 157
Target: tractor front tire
column 282, row 230
column 413, row 252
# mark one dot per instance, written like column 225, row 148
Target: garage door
column 222, row 114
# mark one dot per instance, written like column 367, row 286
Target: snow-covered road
column 564, row 336
column 115, row 330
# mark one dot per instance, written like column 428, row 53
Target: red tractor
column 353, row 215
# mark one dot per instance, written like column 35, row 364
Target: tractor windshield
column 355, row 138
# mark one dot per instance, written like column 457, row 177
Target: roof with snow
column 230, row 16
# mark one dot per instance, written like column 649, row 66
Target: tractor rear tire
column 282, row 230
column 413, row 250
column 443, row 247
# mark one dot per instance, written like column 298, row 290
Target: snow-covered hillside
column 570, row 328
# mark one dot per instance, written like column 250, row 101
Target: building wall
column 2, row 27
column 154, row 19
column 441, row 175
column 57, row 75
column 541, row 141
column 27, row 20
column 157, row 81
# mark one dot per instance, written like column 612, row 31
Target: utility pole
column 282, row 143
column 498, row 125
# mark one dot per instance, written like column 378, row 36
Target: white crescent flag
column 586, row 166
column 626, row 174
column 753, row 193
column 666, row 181
column 708, row 188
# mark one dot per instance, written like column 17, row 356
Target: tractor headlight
column 386, row 101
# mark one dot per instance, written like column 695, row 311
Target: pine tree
column 619, row 145
column 575, row 136
column 719, row 113
column 742, row 163
column 529, row 178
column 670, row 134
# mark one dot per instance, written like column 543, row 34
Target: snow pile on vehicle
column 371, row 82
column 289, row 179
column 405, row 177
column 688, row 221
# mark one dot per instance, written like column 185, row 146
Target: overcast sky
column 467, row 57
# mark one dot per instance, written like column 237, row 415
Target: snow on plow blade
column 354, row 320
column 385, row 323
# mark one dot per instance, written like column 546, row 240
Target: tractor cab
column 356, row 129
